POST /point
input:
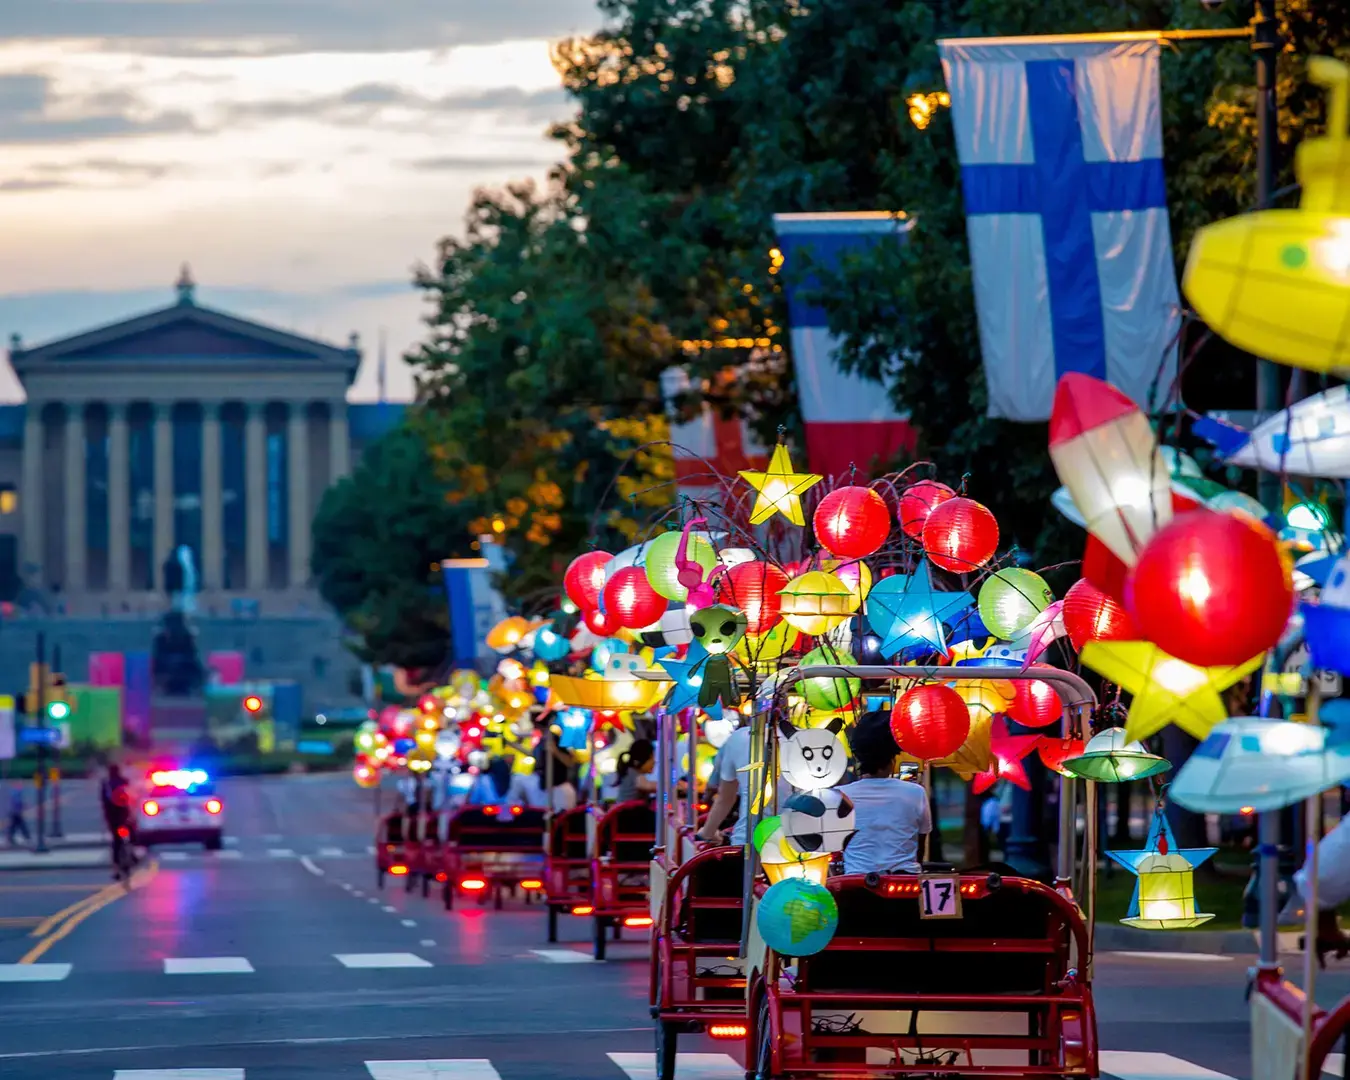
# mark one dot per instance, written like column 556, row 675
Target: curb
column 1111, row 938
column 81, row 858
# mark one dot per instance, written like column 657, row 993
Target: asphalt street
column 278, row 958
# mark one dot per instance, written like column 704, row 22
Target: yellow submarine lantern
column 1277, row 282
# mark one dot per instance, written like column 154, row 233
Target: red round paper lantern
column 918, row 501
column 930, row 721
column 960, row 535
column 629, row 597
column 1035, row 703
column 1093, row 615
column 601, row 623
column 852, row 522
column 754, row 587
column 1055, row 751
column 584, row 579
column 1211, row 589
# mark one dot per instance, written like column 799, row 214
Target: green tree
column 378, row 538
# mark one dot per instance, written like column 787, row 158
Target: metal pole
column 55, row 774
column 1265, row 47
column 41, row 844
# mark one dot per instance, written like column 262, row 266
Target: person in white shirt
column 891, row 815
column 732, row 785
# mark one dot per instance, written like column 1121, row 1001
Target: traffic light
column 57, row 710
column 253, row 704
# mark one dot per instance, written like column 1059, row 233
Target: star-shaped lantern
column 907, row 610
column 688, row 676
column 1005, row 758
column 780, row 489
column 1164, row 895
column 1166, row 690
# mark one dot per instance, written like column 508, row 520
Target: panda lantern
column 1326, row 622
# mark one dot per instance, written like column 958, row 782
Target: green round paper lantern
column 829, row 693
column 661, row 570
column 1011, row 599
column 765, row 829
column 797, row 917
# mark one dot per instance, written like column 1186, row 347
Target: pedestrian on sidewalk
column 17, row 824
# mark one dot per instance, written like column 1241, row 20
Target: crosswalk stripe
column 173, row 856
column 442, row 1069
column 178, row 1074
column 564, row 956
column 1334, row 1065
column 687, row 1066
column 330, row 852
column 230, row 853
column 381, row 960
column 1148, row 1065
column 281, row 853
column 206, row 965
column 10, row 973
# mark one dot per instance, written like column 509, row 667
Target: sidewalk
column 69, row 852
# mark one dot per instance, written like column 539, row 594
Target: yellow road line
column 51, row 888
column 45, row 925
column 139, row 878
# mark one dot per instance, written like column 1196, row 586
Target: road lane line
column 44, row 927
column 206, row 965
column 438, row 1069
column 427, row 943
column 389, row 909
column 230, row 853
column 309, row 865
column 687, row 1066
column 409, row 922
column 139, row 878
column 281, row 853
column 330, row 852
column 10, row 973
column 383, row 960
column 178, row 1074
column 173, row 856
column 1148, row 1065
column 564, row 956
column 1197, row 957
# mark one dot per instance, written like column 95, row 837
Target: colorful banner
column 475, row 606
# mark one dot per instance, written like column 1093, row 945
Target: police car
column 179, row 806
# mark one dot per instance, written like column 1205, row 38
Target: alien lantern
column 718, row 628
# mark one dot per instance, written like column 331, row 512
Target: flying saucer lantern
column 1326, row 622
column 608, row 695
column 1262, row 764
column 1109, row 758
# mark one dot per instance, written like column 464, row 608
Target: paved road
column 279, row 958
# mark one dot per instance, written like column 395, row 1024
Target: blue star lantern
column 688, row 677
column 906, row 610
column 1164, row 889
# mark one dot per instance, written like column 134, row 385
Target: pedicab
column 567, row 867
column 494, row 850
column 393, row 847
column 621, row 870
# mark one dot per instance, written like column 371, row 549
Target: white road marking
column 228, row 854
column 330, row 852
column 1147, row 1065
column 281, row 853
column 409, row 922
column 272, row 838
column 427, row 943
column 206, row 965
column 687, row 1066
column 178, row 1074
column 441, row 1069
column 386, row 907
column 370, row 849
column 382, row 960
column 173, row 856
column 1334, row 1065
column 565, row 956
column 309, row 865
column 348, row 886
column 1198, row 957
column 33, row 972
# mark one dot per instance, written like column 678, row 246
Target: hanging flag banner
column 1060, row 141
column 709, row 444
column 475, row 605
column 849, row 418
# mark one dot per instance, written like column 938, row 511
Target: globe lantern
column 1211, row 589
column 584, row 579
column 629, row 597
column 1093, row 615
column 754, row 587
column 930, row 721
column 852, row 522
column 660, row 562
column 960, row 535
column 1010, row 600
column 918, row 501
column 1035, row 703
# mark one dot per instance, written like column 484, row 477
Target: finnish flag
column 1060, row 142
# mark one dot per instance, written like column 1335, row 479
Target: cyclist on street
column 115, row 796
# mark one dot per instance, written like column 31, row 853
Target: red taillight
column 124, row 832
column 442, row 876
column 398, row 870
column 516, row 811
column 727, row 1031
column 213, row 806
column 637, row 920
column 492, row 809
column 150, row 808
column 1247, row 811
column 473, row 884
column 531, row 883
column 583, row 909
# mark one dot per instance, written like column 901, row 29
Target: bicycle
column 123, row 855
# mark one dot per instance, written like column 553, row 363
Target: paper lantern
column 1211, row 589
column 930, row 721
column 1164, row 895
column 1035, row 704
column 629, row 597
column 1005, row 758
column 828, row 693
column 584, row 579
column 754, row 587
column 366, row 776
column 906, row 610
column 1093, row 615
column 918, row 501
column 608, row 695
column 1104, row 452
column 764, row 650
column 779, row 490
column 1054, row 751
column 601, row 623
column 550, row 645
column 1110, row 758
column 852, row 522
column 855, row 574
column 960, row 535
column 662, row 572
column 1011, row 599
column 797, row 917
column 816, row 602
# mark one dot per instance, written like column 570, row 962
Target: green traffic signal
column 57, row 710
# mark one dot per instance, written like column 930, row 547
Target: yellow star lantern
column 1166, row 690
column 780, row 489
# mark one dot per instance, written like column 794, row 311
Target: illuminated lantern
column 855, row 574
column 584, row 579
column 764, row 650
column 1104, row 452
column 906, row 610
column 960, row 535
column 828, row 693
column 918, row 501
column 1093, row 615
column 1011, row 599
column 550, row 645
column 366, row 776
column 629, row 598
column 1055, row 751
column 1164, row 896
column 852, row 522
column 1035, row 703
column 1211, row 589
column 507, row 634
column 930, row 721
column 601, row 623
column 816, row 602
column 754, row 587
column 1110, row 758
column 429, row 703
column 660, row 563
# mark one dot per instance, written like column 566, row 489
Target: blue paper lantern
column 797, row 917
column 403, row 747
column 906, row 610
column 1326, row 624
column 550, row 645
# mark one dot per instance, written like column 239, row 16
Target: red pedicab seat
column 567, row 873
column 991, row 993
column 391, row 849
column 486, row 854
column 621, row 869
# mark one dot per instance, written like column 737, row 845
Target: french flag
column 849, row 418
column 709, row 445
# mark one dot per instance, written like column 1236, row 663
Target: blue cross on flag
column 1060, row 141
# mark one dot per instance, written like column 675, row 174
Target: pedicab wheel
column 379, row 878
column 764, row 1045
column 667, row 1040
column 426, row 886
column 409, row 881
column 600, row 929
column 552, row 923
column 497, row 898
column 618, row 929
column 448, row 894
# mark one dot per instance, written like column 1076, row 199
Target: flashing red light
column 398, row 870
column 150, row 807
column 214, row 806
column 638, row 920
column 124, row 832
column 253, row 704
column 583, row 909
column 727, row 1031
column 442, row 876
column 531, row 883
column 473, row 884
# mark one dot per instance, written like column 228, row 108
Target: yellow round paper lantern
column 766, row 649
column 816, row 602
column 855, row 574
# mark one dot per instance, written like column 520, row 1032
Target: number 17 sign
column 939, row 897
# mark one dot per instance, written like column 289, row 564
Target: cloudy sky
column 301, row 155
